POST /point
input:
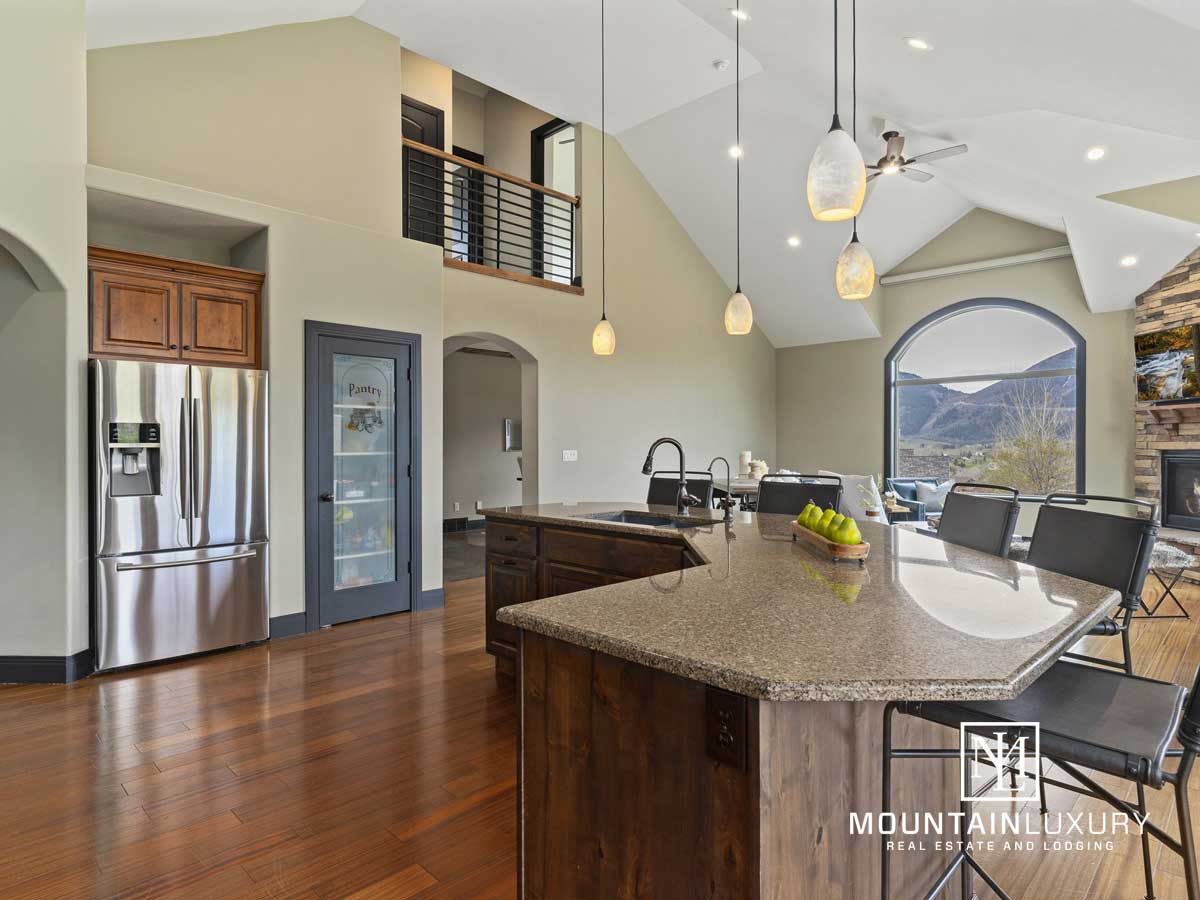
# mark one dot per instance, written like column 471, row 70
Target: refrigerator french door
column 179, row 478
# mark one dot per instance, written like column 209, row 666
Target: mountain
column 937, row 413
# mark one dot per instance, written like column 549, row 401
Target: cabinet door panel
column 561, row 578
column 509, row 580
column 134, row 315
column 220, row 325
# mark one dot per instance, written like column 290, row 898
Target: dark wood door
column 135, row 315
column 426, row 193
column 563, row 578
column 219, row 325
column 364, row 447
column 510, row 579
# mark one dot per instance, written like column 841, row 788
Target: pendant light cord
column 854, row 83
column 603, row 182
column 835, row 58
column 737, row 132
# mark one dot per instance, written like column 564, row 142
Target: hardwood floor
column 372, row 760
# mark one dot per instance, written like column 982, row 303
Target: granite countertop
column 769, row 618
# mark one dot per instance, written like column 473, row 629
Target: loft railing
column 487, row 220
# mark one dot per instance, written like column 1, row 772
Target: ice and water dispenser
column 133, row 458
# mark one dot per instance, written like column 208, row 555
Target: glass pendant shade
column 739, row 317
column 837, row 177
column 604, row 339
column 855, row 272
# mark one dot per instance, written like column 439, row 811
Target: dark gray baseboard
column 45, row 669
column 434, row 599
column 287, row 626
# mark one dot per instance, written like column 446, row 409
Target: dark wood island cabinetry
column 529, row 561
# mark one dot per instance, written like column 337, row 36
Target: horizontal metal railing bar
column 493, row 225
column 493, row 251
column 449, row 199
column 428, row 194
column 437, row 173
column 496, row 173
column 526, row 237
column 480, row 189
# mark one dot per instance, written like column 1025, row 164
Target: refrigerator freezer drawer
column 156, row 606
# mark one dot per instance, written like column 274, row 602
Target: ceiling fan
column 893, row 161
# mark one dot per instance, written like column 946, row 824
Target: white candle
column 744, row 462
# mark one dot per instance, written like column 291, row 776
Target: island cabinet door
column 564, row 578
column 510, row 579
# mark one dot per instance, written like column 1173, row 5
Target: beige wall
column 675, row 371
column 830, row 396
column 43, row 335
column 304, row 117
column 507, row 124
column 468, row 121
column 327, row 271
column 480, row 392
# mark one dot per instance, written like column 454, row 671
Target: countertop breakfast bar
column 706, row 731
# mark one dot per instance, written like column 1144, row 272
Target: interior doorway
column 489, row 441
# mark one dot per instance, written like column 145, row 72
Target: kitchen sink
column 640, row 518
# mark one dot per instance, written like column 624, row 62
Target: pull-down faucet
column 727, row 502
column 683, row 499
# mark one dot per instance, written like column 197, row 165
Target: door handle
column 184, row 461
column 176, row 563
column 327, row 497
column 195, row 460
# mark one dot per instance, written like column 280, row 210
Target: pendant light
column 855, row 275
column 604, row 339
column 837, row 175
column 739, row 316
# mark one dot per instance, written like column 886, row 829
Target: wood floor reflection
column 371, row 760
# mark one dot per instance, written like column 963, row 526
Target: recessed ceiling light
column 1097, row 153
column 1129, row 261
column 794, row 240
column 739, row 13
column 917, row 43
column 736, row 151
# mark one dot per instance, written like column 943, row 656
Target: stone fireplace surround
column 1174, row 300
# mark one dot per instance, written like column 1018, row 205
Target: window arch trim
column 979, row 303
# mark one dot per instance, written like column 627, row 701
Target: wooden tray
column 824, row 546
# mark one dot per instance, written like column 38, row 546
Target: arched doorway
column 489, row 441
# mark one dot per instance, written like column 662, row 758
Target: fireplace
column 1181, row 489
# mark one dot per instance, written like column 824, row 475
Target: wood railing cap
column 480, row 167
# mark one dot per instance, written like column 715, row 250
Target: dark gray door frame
column 313, row 332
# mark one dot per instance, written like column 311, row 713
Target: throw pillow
column 933, row 496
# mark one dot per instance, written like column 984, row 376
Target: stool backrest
column 1100, row 547
column 789, row 494
column 983, row 522
column 664, row 487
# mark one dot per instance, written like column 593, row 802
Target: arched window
column 988, row 390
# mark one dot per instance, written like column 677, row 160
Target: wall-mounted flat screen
column 1166, row 364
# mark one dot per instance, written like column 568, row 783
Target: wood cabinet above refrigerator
column 155, row 307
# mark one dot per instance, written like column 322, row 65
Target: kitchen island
column 707, row 732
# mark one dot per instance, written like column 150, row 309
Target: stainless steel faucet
column 727, row 502
column 683, row 500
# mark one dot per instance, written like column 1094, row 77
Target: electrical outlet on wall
column 457, row 506
column 570, row 456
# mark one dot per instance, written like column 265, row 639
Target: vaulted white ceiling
column 1028, row 84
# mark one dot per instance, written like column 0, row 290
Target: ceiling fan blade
column 944, row 153
column 873, row 176
column 916, row 175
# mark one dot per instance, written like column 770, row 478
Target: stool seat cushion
column 1097, row 718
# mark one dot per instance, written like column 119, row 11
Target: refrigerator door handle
column 195, row 458
column 176, row 563
column 185, row 462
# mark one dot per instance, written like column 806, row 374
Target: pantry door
column 363, row 503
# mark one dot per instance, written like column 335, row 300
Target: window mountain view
column 1019, row 432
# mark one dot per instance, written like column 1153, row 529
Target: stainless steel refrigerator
column 179, row 510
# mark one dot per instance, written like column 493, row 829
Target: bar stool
column 983, row 522
column 1090, row 717
column 789, row 494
